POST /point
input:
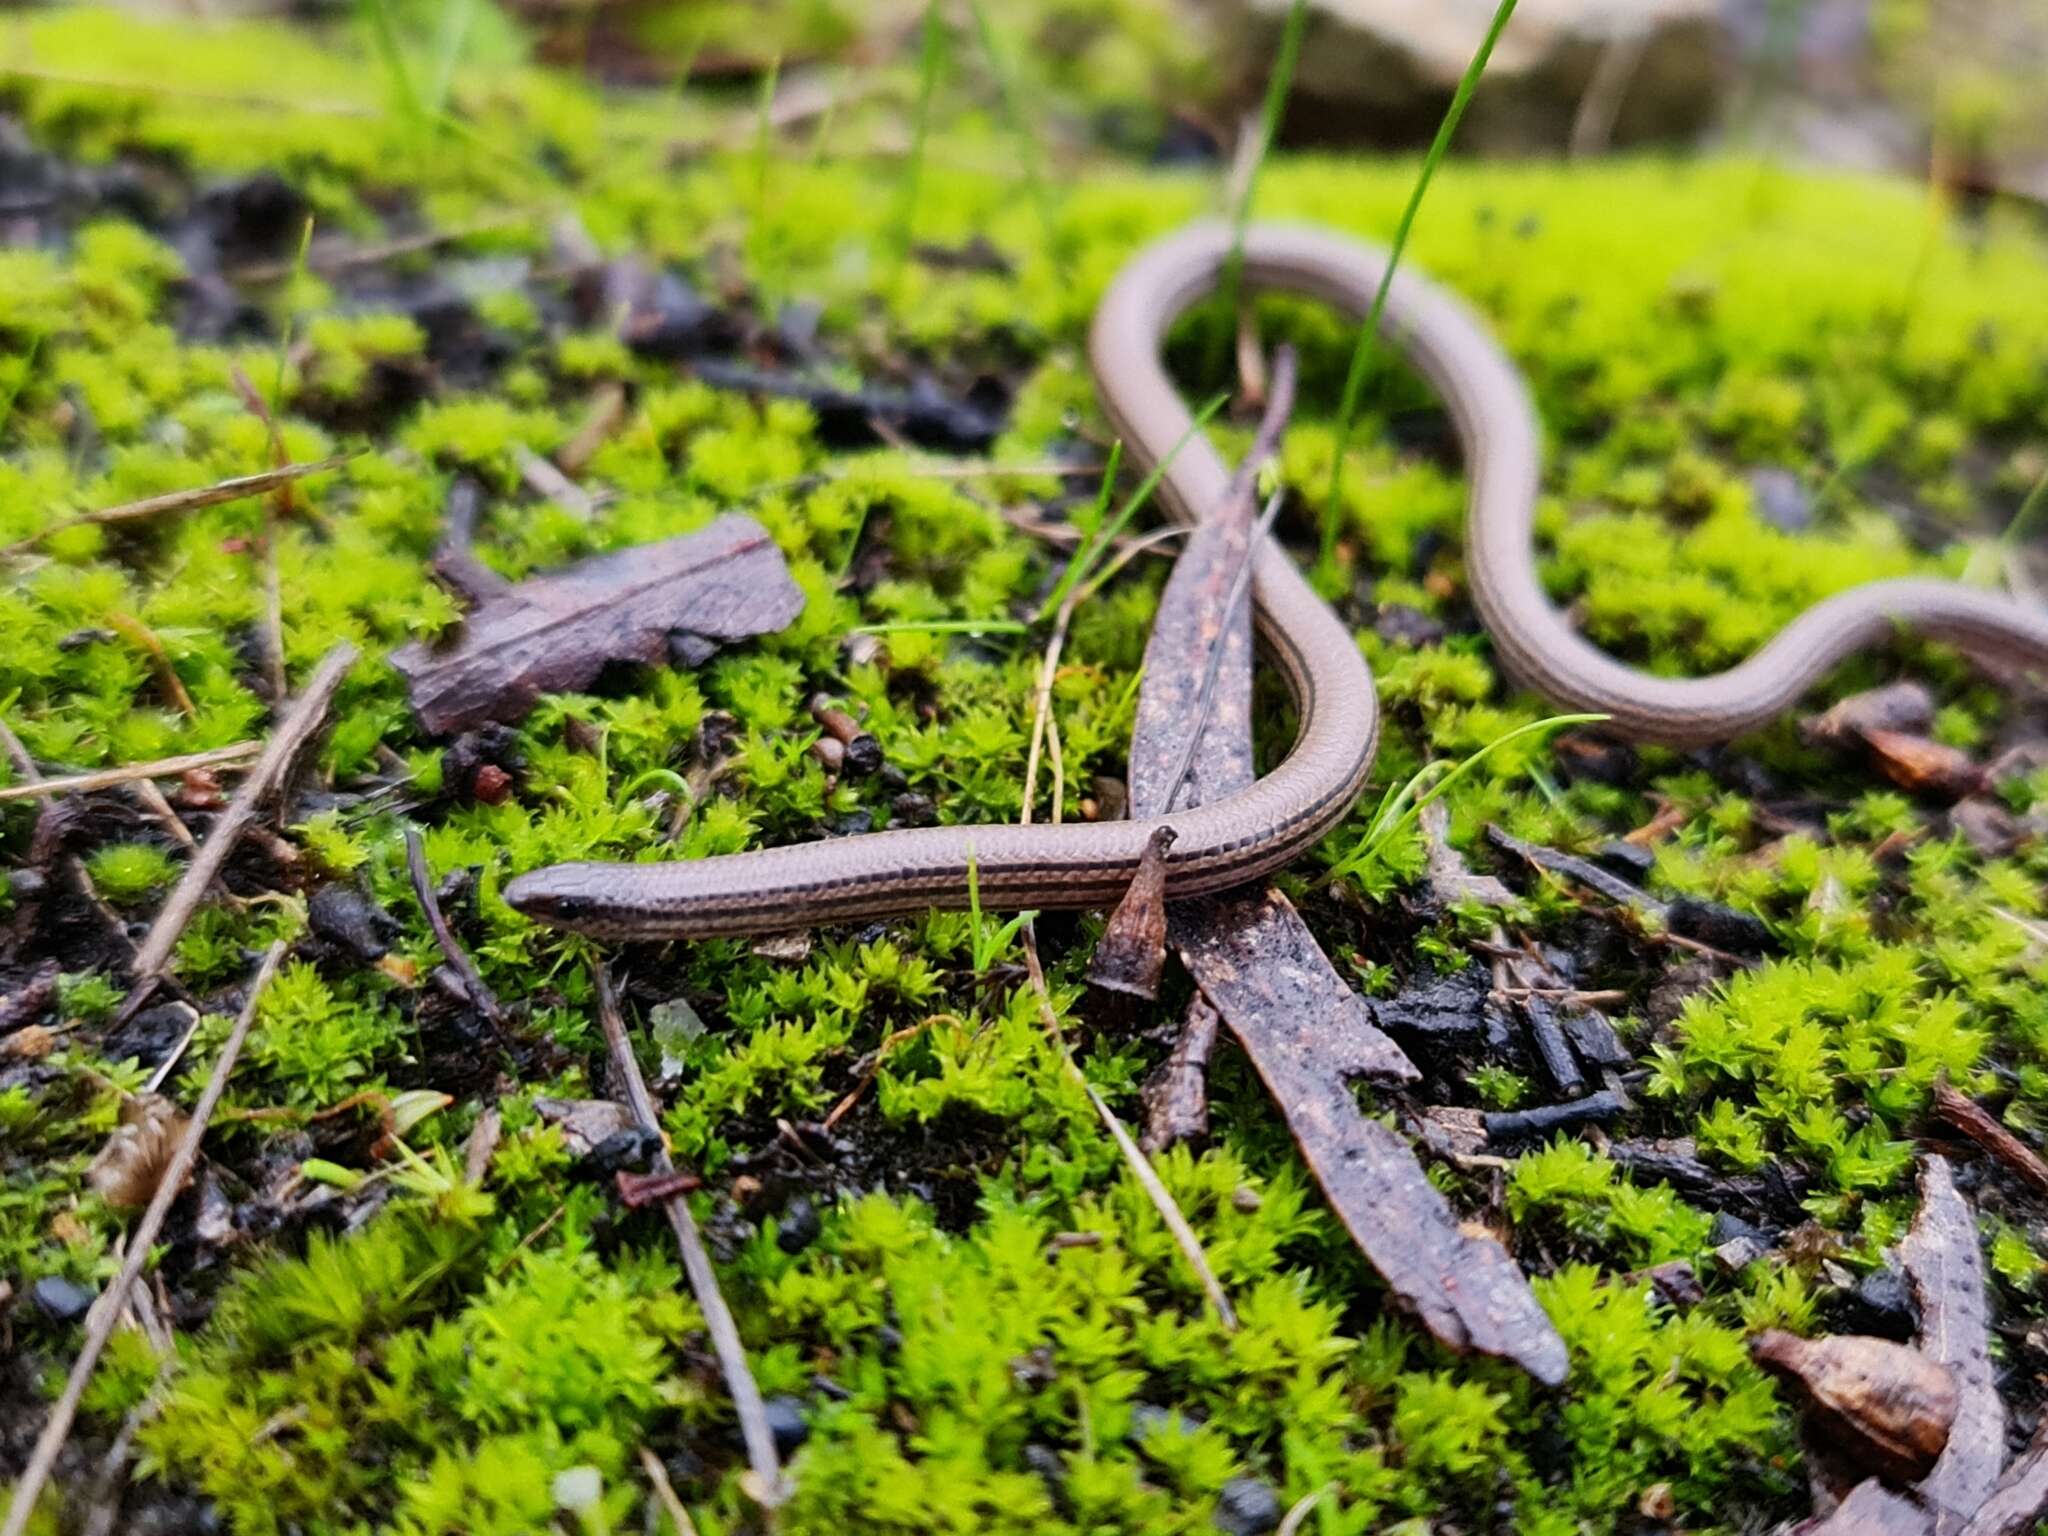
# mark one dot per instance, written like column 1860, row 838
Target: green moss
column 436, row 1369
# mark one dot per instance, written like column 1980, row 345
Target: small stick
column 665, row 1491
column 169, row 1064
column 128, row 773
column 304, row 718
column 480, row 996
column 543, row 478
column 154, row 802
column 1977, row 1123
column 108, row 1309
column 725, row 1334
column 159, row 660
column 606, row 411
column 1141, row 1166
column 237, row 489
column 330, row 259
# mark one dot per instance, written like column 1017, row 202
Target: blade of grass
column 291, row 316
column 1278, row 84
column 764, row 136
column 946, row 627
column 2023, row 520
column 1354, row 378
column 1013, row 118
column 1399, row 811
column 1081, row 564
column 931, row 62
column 385, row 34
column 456, row 18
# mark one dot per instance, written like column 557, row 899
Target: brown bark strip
column 768, row 1487
column 106, row 1312
column 2020, row 1500
column 1977, row 1123
column 1177, row 1095
column 301, row 722
column 1946, row 1267
column 1871, row 1510
column 1306, row 1032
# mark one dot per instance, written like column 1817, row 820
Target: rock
column 1382, row 71
column 1728, row 1229
column 798, row 1228
column 62, row 1300
column 1247, row 1506
column 1737, row 1254
column 785, row 1417
column 1721, row 927
column 1781, row 500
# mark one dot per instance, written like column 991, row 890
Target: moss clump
column 959, row 1363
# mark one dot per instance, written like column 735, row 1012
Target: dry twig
column 481, row 998
column 300, row 723
column 107, row 1310
column 236, row 489
column 718, row 1322
column 128, row 773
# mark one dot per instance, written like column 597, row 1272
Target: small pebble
column 1247, row 1506
column 785, row 1417
column 630, row 1151
column 62, row 1300
column 1781, row 500
column 1719, row 927
column 798, row 1228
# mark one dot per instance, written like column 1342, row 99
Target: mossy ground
column 417, row 1355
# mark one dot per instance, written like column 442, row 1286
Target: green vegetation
column 436, row 1368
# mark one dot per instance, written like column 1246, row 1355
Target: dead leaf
column 1883, row 1408
column 129, row 1167
column 675, row 601
column 1924, row 766
column 1942, row 1259
column 1131, row 953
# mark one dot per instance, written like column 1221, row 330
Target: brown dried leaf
column 675, row 600
column 1883, row 1408
column 129, row 1167
column 1923, row 766
column 638, row 1189
column 1131, row 953
column 1942, row 1259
